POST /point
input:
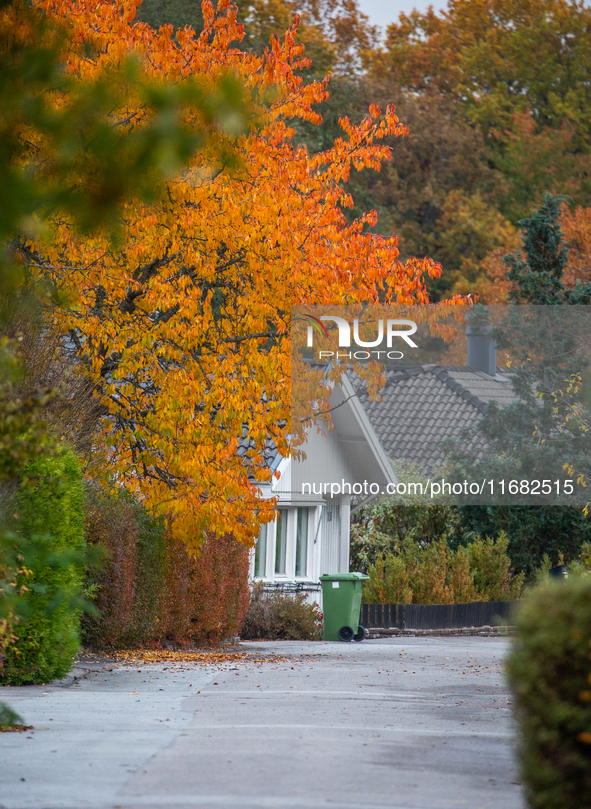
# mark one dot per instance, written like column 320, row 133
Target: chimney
column 482, row 353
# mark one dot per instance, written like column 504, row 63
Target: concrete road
column 406, row 723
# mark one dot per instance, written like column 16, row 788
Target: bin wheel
column 360, row 634
column 346, row 634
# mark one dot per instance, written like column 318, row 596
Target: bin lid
column 343, row 577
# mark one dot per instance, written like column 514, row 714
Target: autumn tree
column 446, row 71
column 477, row 56
column 335, row 33
column 575, row 225
column 480, row 54
column 183, row 323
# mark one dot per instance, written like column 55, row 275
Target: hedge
column 126, row 584
column 206, row 597
column 550, row 674
column 149, row 591
column 50, row 527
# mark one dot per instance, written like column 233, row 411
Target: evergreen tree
column 539, row 276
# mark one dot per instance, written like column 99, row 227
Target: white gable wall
column 349, row 453
column 326, row 462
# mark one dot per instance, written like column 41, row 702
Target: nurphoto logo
column 387, row 332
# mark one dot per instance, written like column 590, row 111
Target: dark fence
column 436, row 616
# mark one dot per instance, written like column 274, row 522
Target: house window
column 281, row 543
column 260, row 556
column 301, row 558
column 283, row 547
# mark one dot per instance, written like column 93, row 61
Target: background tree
column 473, row 58
column 545, row 428
column 479, row 54
column 539, row 276
column 533, row 531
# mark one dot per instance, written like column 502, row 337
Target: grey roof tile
column 424, row 405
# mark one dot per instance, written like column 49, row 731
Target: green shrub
column 490, row 565
column 280, row 616
column 550, row 674
column 50, row 528
column 388, row 581
column 434, row 573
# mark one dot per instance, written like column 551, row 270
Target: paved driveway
column 409, row 723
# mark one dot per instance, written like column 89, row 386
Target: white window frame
column 269, row 563
column 264, row 530
column 286, row 575
column 307, row 560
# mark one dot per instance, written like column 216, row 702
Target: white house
column 344, row 468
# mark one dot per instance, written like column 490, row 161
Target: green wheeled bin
column 341, row 605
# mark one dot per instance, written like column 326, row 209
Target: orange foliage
column 576, row 226
column 205, row 599
column 112, row 523
column 149, row 591
column 183, row 323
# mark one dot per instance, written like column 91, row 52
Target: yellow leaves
column 204, row 658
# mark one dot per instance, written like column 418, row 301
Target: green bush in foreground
column 280, row 616
column 50, row 530
column 550, row 674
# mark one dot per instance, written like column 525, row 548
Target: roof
column 271, row 455
column 423, row 405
